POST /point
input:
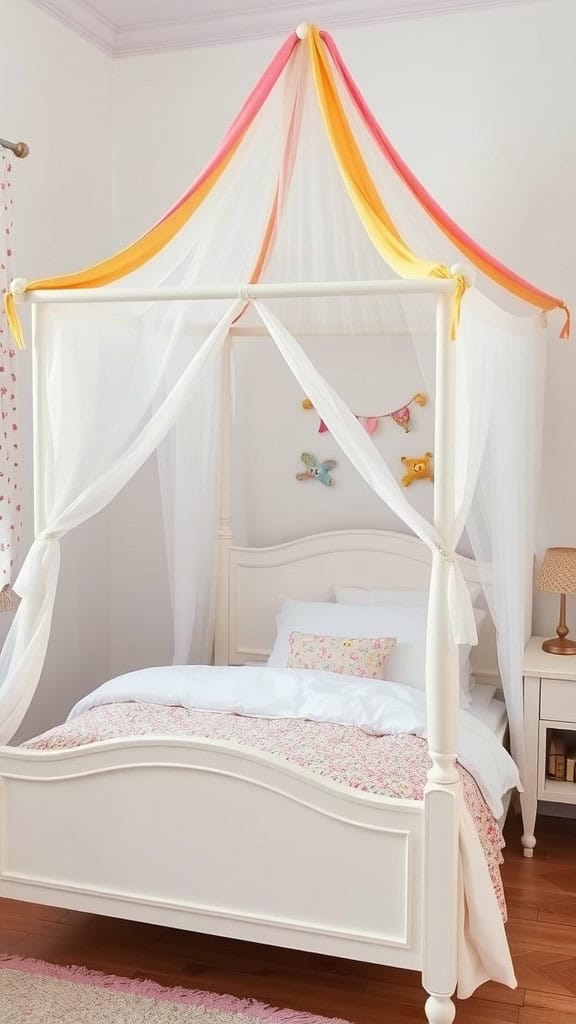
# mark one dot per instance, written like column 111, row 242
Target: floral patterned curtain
column 10, row 481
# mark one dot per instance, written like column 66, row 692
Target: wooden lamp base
column 560, row 644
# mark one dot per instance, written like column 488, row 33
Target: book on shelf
column 557, row 758
column 561, row 764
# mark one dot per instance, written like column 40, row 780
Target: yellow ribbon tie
column 13, row 320
column 461, row 286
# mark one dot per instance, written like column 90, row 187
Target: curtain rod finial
column 302, row 30
column 18, row 285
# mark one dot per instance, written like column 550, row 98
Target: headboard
column 252, row 581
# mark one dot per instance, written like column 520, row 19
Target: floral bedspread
column 393, row 766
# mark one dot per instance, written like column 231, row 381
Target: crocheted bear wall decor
column 419, row 468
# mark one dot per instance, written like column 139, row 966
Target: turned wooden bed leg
column 440, row 1010
column 441, row 889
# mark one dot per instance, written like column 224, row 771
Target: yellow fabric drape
column 14, row 325
column 154, row 240
column 129, row 259
column 361, row 188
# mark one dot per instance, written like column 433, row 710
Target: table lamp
column 558, row 576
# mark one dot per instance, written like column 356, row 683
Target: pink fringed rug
column 40, row 993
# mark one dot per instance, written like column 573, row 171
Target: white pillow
column 416, row 599
column 355, row 595
column 405, row 664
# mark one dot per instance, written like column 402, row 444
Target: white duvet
column 380, row 708
column 263, row 692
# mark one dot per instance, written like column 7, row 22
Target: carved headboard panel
column 253, row 580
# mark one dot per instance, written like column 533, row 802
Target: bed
column 205, row 833
column 258, row 843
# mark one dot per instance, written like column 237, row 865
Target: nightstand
column 549, row 704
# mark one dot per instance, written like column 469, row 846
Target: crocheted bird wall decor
column 317, row 470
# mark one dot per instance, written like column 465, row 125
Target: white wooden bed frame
column 215, row 838
column 219, row 839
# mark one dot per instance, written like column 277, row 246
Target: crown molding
column 122, row 40
column 84, row 20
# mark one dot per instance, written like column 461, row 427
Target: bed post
column 225, row 536
column 442, row 793
column 38, row 428
column 40, row 438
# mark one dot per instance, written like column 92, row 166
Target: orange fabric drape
column 361, row 188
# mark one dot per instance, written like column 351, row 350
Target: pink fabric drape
column 250, row 108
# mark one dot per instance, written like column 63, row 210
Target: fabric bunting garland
column 400, row 416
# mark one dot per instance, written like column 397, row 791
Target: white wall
column 55, row 92
column 480, row 105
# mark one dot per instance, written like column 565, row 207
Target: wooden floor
column 541, row 898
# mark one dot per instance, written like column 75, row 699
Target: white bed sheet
column 484, row 706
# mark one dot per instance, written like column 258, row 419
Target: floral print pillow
column 350, row 656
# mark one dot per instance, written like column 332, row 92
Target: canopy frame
column 442, row 798
column 312, row 289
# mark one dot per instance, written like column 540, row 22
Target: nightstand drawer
column 558, row 700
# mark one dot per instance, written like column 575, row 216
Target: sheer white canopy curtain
column 500, row 364
column 127, row 400
column 501, row 520
column 499, row 393
column 103, row 409
column 101, row 372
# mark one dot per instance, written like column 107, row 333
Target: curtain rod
column 315, row 289
column 20, row 149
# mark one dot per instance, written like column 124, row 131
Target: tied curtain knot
column 460, row 608
column 445, row 554
column 44, row 550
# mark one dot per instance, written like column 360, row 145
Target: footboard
column 216, row 839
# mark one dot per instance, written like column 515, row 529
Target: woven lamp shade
column 558, row 572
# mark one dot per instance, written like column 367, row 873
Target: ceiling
column 127, row 27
